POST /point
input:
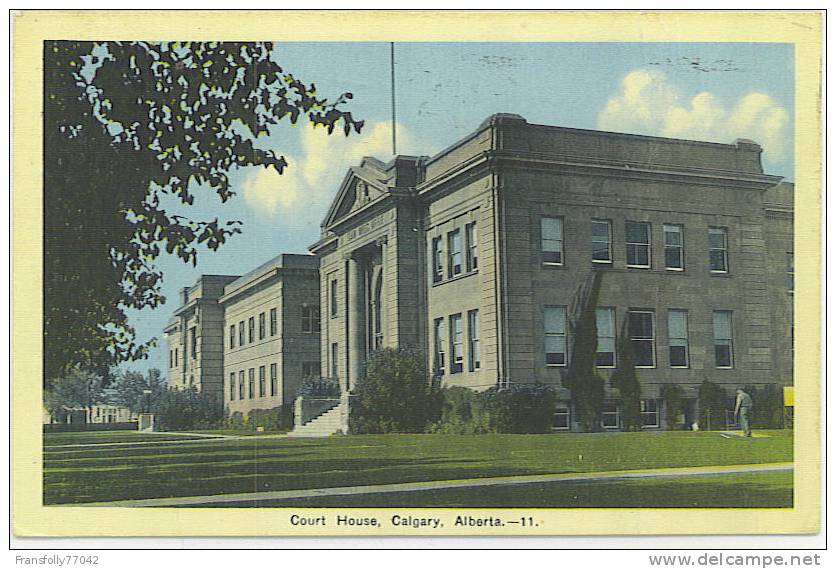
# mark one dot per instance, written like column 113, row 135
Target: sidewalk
column 444, row 484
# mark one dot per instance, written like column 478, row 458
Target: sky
column 701, row 91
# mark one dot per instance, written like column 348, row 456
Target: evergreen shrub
column 396, row 395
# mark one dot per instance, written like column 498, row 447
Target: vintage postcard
column 416, row 273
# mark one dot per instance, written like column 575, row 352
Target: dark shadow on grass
column 225, row 478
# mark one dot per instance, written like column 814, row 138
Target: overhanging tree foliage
column 127, row 126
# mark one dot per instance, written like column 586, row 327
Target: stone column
column 356, row 320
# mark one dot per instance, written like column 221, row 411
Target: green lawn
column 757, row 490
column 99, row 437
column 206, row 467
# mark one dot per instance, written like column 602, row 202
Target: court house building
column 476, row 256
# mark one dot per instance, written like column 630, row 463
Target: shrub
column 586, row 386
column 396, row 395
column 463, row 412
column 235, row 420
column 179, row 409
column 325, row 387
column 625, row 380
column 712, row 400
column 674, row 398
column 276, row 419
column 767, row 406
column 524, row 408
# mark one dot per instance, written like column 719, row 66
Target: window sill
column 602, row 263
column 555, row 365
column 675, row 269
column 642, row 267
column 554, row 265
column 456, row 278
column 719, row 274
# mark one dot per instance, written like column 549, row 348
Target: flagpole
column 392, row 68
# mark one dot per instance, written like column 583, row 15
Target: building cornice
column 597, row 167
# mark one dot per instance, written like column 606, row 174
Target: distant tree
column 396, row 395
column 136, row 391
column 131, row 128
column 76, row 389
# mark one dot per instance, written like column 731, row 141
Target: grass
column 207, row 467
column 755, row 490
column 100, row 437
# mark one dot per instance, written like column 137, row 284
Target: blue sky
column 715, row 92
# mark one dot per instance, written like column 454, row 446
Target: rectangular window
column 649, row 409
column 473, row 340
column 241, row 333
column 456, row 344
column 251, row 383
column 274, row 321
column 439, row 339
column 274, row 380
column 193, row 340
column 551, row 240
column 605, row 323
column 232, row 386
column 251, row 329
column 232, row 336
column 171, row 358
column 678, row 338
column 472, row 261
column 641, row 330
column 262, row 381
column 262, row 326
column 310, row 369
column 454, row 253
column 638, row 244
column 601, row 241
column 176, row 357
column 674, row 247
column 561, row 418
column 334, row 367
column 310, row 319
column 718, row 245
column 554, row 326
column 610, row 416
column 723, row 352
column 438, row 264
column 790, row 273
column 241, row 385
column 333, row 298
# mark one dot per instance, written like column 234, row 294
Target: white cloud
column 314, row 173
column 648, row 103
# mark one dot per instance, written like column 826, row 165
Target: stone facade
column 271, row 324
column 195, row 336
column 476, row 257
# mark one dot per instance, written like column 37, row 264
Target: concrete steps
column 326, row 424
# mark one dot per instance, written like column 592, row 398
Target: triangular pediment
column 360, row 187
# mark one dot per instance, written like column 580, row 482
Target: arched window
column 378, row 311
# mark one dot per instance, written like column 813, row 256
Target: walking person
column 742, row 410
